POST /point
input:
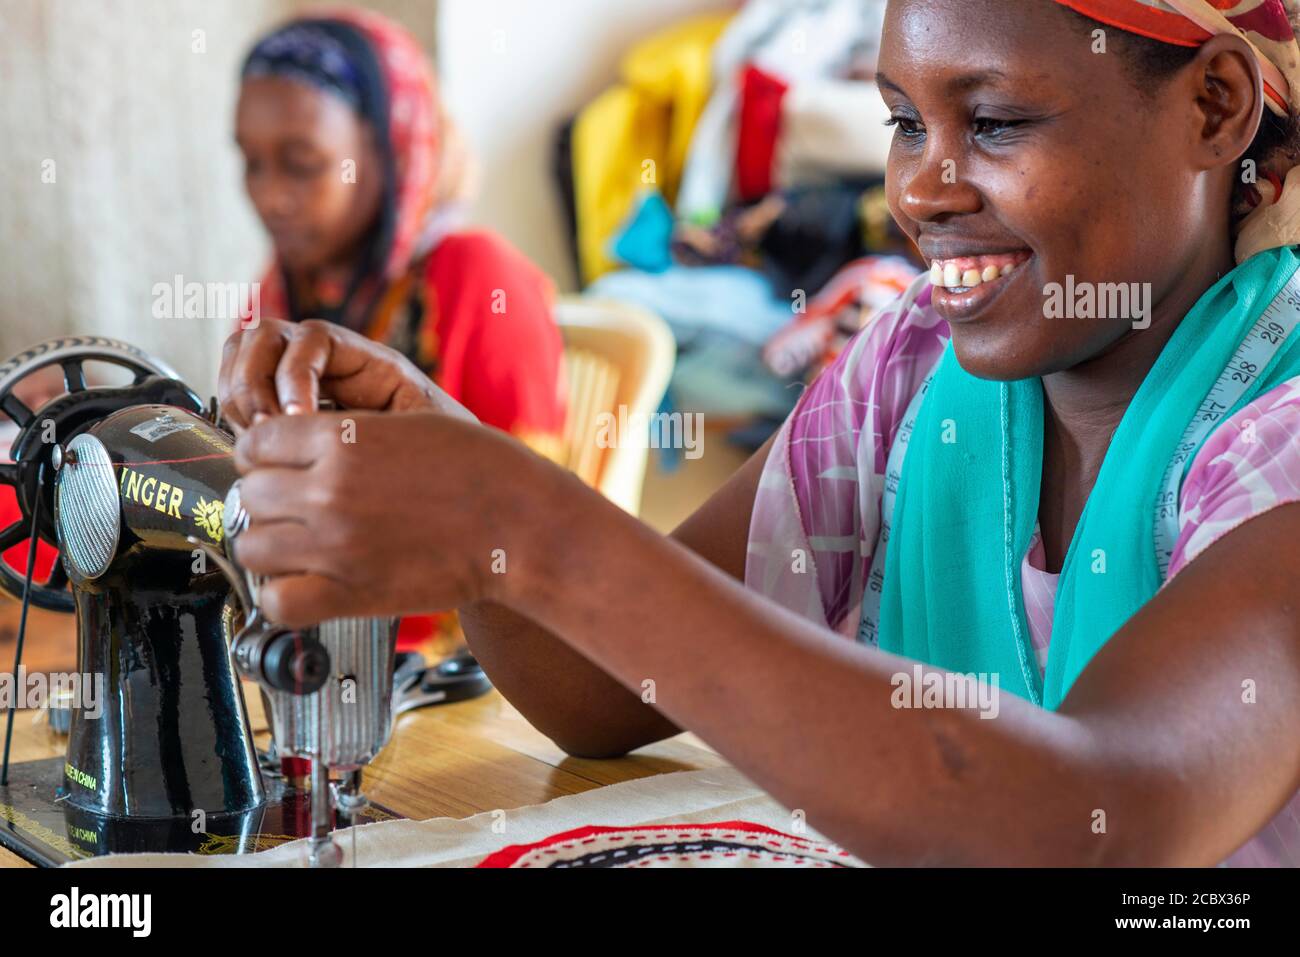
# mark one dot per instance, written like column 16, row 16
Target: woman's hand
column 361, row 513
column 287, row 367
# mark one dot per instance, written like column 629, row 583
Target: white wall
column 146, row 182
column 512, row 72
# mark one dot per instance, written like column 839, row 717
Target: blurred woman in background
column 361, row 180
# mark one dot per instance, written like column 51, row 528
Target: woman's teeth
column 963, row 274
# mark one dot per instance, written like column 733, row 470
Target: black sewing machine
column 136, row 487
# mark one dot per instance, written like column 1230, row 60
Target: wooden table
column 451, row 760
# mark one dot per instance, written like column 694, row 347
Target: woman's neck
column 330, row 280
column 1084, row 405
column 320, row 278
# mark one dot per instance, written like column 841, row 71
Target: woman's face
column 1020, row 150
column 311, row 169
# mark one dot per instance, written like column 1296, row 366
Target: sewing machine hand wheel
column 41, row 430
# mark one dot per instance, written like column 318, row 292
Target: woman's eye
column 907, row 128
column 987, row 126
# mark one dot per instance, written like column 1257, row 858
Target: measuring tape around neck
column 1253, row 356
column 869, row 627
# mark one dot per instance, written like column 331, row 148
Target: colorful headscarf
column 380, row 70
column 314, row 53
column 1267, row 25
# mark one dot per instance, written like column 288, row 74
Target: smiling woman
column 1100, row 515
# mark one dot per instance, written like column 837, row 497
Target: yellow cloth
column 635, row 136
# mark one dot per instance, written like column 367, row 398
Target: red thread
column 184, row 461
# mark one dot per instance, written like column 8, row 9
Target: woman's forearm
column 808, row 715
column 572, row 701
column 580, row 707
column 562, row 694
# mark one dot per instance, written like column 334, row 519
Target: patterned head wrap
column 1267, row 25
column 316, row 53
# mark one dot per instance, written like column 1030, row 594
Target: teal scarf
column 968, row 501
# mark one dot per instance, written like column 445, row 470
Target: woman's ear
column 1229, row 92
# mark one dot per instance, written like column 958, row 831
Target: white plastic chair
column 618, row 359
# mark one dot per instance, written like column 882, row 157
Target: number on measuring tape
column 1257, row 349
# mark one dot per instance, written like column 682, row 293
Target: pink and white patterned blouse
column 820, row 492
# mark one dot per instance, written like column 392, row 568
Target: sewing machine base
column 41, row 828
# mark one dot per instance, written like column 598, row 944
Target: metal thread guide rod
column 323, row 850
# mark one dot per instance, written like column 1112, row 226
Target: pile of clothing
column 732, row 182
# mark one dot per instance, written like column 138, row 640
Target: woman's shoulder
column 898, row 332
column 880, row 369
column 479, row 258
column 481, row 243
column 822, row 474
column 1248, row 466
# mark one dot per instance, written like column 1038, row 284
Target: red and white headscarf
column 413, row 118
column 413, row 127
